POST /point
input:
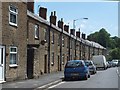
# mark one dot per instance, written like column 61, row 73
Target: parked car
column 76, row 69
column 91, row 66
column 115, row 63
column 108, row 64
column 99, row 61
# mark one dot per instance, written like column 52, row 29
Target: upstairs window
column 13, row 13
column 52, row 37
column 46, row 35
column 36, row 32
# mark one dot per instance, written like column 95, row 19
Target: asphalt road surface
column 103, row 79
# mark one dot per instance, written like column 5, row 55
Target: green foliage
column 112, row 43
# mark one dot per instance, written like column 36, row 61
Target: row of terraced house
column 30, row 46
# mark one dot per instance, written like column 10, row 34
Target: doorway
column 2, row 63
column 30, row 63
column 45, row 64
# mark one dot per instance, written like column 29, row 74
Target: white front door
column 2, row 63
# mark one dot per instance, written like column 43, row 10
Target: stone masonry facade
column 38, row 46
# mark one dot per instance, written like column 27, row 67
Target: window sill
column 13, row 65
column 13, row 24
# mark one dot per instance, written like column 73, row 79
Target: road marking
column 44, row 86
column 118, row 73
column 56, row 85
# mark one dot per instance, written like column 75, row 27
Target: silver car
column 92, row 67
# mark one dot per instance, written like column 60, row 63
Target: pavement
column 35, row 84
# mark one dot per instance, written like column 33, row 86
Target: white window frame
column 52, row 63
column 36, row 30
column 14, row 64
column 14, row 13
column 63, row 41
column 46, row 34
column 53, row 37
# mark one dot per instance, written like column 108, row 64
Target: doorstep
column 2, row 81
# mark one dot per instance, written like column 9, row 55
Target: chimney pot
column 51, row 13
column 54, row 13
column 83, row 36
column 78, row 34
column 53, row 18
column 72, row 31
column 66, row 28
column 60, row 24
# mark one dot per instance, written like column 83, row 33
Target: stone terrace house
column 31, row 46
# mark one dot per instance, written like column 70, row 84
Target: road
column 103, row 79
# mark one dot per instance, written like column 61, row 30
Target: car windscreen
column 74, row 64
column 88, row 63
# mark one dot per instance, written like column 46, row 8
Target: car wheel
column 86, row 77
column 89, row 76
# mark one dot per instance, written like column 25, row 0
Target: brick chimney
column 72, row 31
column 60, row 23
column 66, row 28
column 30, row 5
column 83, row 36
column 78, row 34
column 53, row 18
column 43, row 12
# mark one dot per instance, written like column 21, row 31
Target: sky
column 100, row 14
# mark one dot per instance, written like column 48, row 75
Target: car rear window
column 88, row 63
column 74, row 64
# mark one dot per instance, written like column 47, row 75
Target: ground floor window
column 13, row 55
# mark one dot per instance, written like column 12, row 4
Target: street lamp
column 76, row 20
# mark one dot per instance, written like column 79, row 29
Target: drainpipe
column 75, row 47
column 61, row 50
column 80, row 50
column 49, row 48
column 69, row 47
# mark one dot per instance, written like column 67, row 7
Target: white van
column 99, row 61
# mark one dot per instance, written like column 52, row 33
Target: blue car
column 76, row 69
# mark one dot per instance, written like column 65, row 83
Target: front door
column 45, row 64
column 2, row 63
column 30, row 63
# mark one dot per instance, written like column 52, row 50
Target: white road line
column 118, row 73
column 48, row 84
column 56, row 85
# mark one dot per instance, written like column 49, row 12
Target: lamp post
column 76, row 20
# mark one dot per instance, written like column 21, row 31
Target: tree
column 102, row 37
column 111, row 43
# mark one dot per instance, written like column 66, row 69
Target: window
column 46, row 34
column 63, row 59
column 58, row 39
column 52, row 59
column 13, row 12
column 36, row 32
column 13, row 55
column 52, row 37
column 71, row 44
column 63, row 41
column 67, row 42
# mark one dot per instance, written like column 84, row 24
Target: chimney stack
column 30, row 5
column 78, row 34
column 53, row 18
column 72, row 31
column 66, row 28
column 60, row 23
column 43, row 12
column 83, row 36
